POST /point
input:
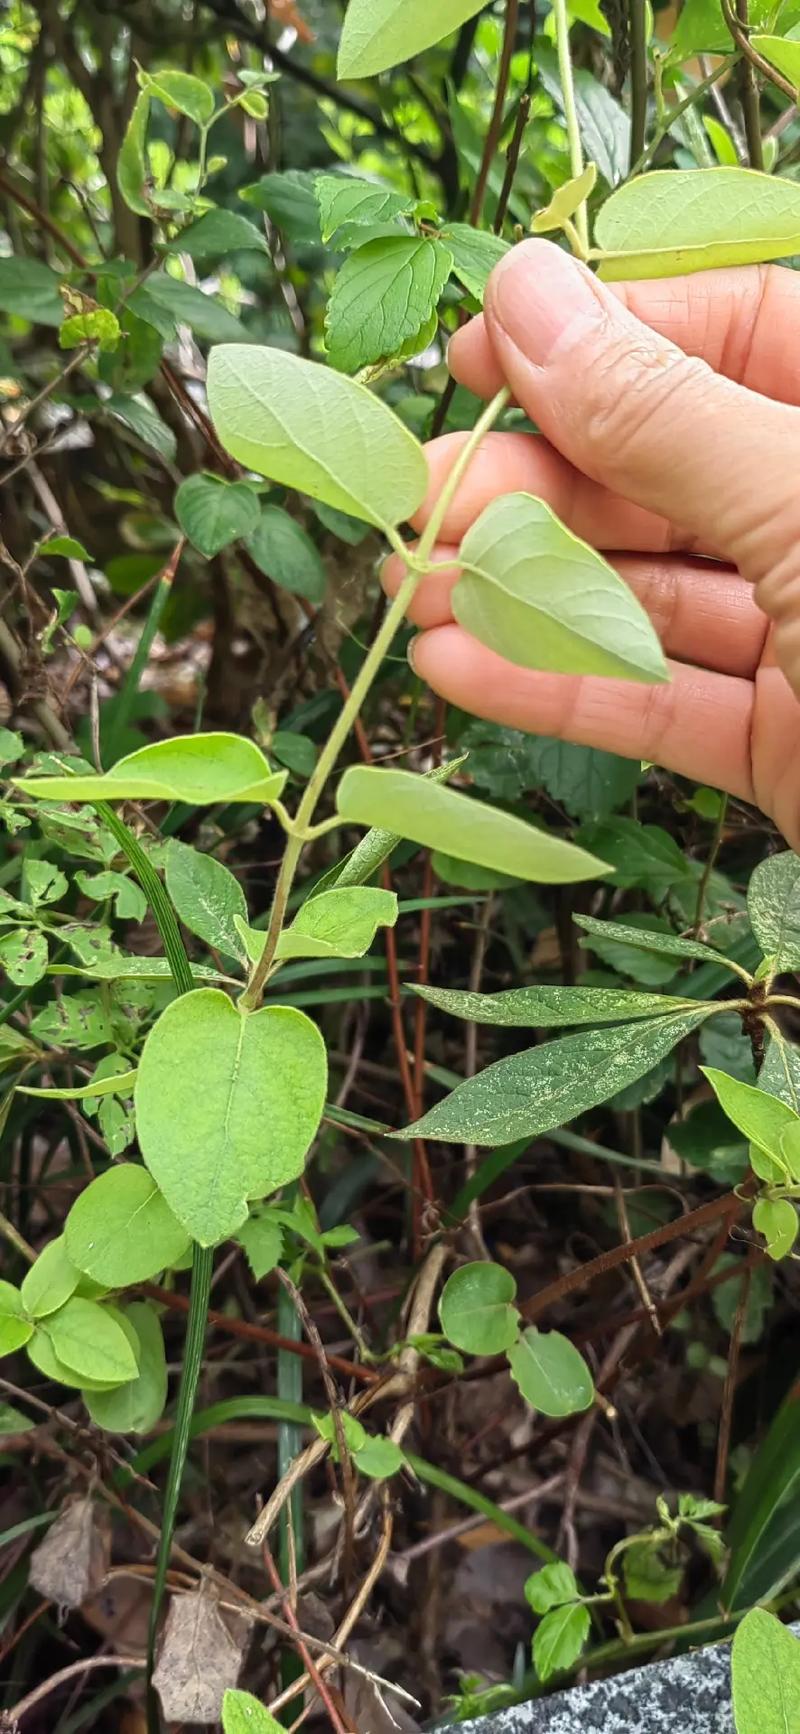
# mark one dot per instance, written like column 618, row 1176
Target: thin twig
column 636, row 1269
column 39, row 1693
column 638, row 76
column 512, row 161
column 751, row 54
column 301, row 1647
column 496, row 123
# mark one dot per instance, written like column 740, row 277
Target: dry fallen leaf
column 72, row 1561
column 198, row 1660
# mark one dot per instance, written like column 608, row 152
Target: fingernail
column 539, row 293
column 412, row 651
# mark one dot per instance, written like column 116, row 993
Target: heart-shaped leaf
column 678, row 220
column 199, row 769
column 312, row 429
column 227, row 1103
column 540, row 597
column 476, row 1310
column 213, row 513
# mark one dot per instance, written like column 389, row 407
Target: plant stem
column 570, row 113
column 638, row 23
column 716, row 841
column 496, row 122
column 751, row 100
column 130, row 685
column 369, row 668
column 700, row 90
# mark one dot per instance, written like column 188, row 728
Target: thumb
column 632, row 411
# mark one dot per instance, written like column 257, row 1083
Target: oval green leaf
column 551, row 1373
column 540, row 597
column 243, row 1714
column 542, row 1008
column 544, row 1087
column 383, row 297
column 765, row 1668
column 678, row 220
column 378, row 34
column 440, row 818
column 50, row 1281
column 776, row 1219
column 762, row 1118
column 782, row 52
column 476, row 1309
column 15, row 1329
column 120, row 1230
column 135, row 1407
column 213, row 513
column 227, row 1104
column 306, row 426
column 90, row 1342
column 44, row 1358
column 181, row 91
column 199, row 769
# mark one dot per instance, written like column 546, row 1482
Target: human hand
column 670, row 438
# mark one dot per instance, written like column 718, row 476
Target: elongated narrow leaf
column 132, row 159
column 541, row 1008
column 679, row 220
column 200, row 769
column 551, row 1373
column 537, row 595
column 118, row 1085
column 227, row 1104
column 773, row 905
column 306, row 426
column 545, row 1087
column 441, row 818
column 380, row 33
column 663, row 944
column 120, row 1230
column 475, row 253
column 764, row 1535
column 383, row 297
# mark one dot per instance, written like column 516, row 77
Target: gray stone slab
column 689, row 1695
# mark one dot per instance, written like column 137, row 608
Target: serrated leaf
column 551, row 1587
column 216, row 234
column 121, row 1230
column 200, row 769
column 378, row 34
column 135, row 1407
column 537, row 595
column 776, row 1219
column 475, row 253
column 211, row 1079
column 181, row 91
column 243, row 1714
column 550, row 1007
column 765, row 1669
column 311, row 429
column 213, row 513
column 341, row 922
column 132, row 171
column 90, row 1342
column 99, row 325
column 547, row 1086
column 348, row 202
column 550, row 1373
column 284, row 552
column 15, row 1329
column 29, row 289
column 383, row 298
column 643, row 856
column 773, row 905
column 476, row 1309
column 50, row 1281
column 440, row 818
column 560, row 1638
column 674, row 221
column 205, row 895
column 648, row 1576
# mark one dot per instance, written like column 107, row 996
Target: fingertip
column 472, row 361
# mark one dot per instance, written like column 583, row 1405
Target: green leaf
column 297, row 752
column 214, row 513
column 673, row 221
column 50, row 1281
column 560, row 1638
column 764, row 1534
column 544, row 1087
column 602, row 122
column 766, row 1676
column 550, row 1373
column 289, row 201
column 346, row 202
column 355, row 1436
column 130, row 903
column 648, row 939
column 29, row 289
column 216, row 234
column 120, row 1230
column 67, row 546
column 243, row 1714
column 551, row 1587
column 13, row 1421
column 44, row 882
column 136, row 1406
column 378, row 34
column 379, row 1458
column 773, row 905
column 184, row 304
column 132, row 173
column 548, row 1007
column 99, row 325
column 540, row 597
column 23, row 956
column 475, row 252
column 565, row 201
column 138, row 414
column 261, row 1239
column 12, row 746
column 776, row 1219
column 644, row 857
column 15, row 1329
column 90, row 1342
column 781, row 52
column 199, row 769
column 705, row 1140
column 383, row 297
column 761, row 1118
column 77, row 1020
column 591, row 784
column 476, row 1309
column 338, row 923
column 284, row 552
column 702, row 27
column 205, row 895
column 306, row 426
column 181, row 91
column 211, row 1080
column 648, row 1576
column 440, row 818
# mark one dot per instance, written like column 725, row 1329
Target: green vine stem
column 571, row 115
column 638, row 29
column 417, row 565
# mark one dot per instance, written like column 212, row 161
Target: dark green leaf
column 773, row 905
column 643, row 856
column 214, row 513
column 289, row 200
column 29, row 289
column 284, row 552
column 383, row 298
column 216, row 234
column 183, row 304
column 475, row 252
column 348, row 203
column 549, row 1007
